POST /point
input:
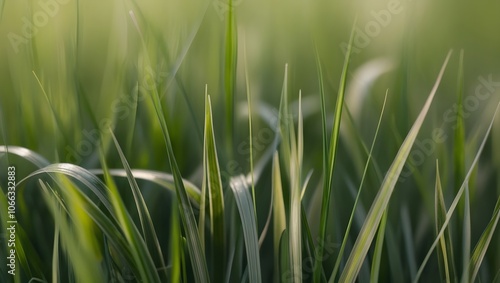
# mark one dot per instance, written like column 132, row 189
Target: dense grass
column 238, row 141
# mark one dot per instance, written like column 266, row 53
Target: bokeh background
column 67, row 66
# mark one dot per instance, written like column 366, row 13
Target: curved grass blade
column 367, row 233
column 27, row 154
column 160, row 178
column 377, row 254
column 454, row 204
column 148, row 229
column 240, row 187
column 216, row 197
column 106, row 221
column 77, row 240
column 327, row 187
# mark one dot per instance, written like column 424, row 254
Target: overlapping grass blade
column 93, row 197
column 279, row 214
column 162, row 179
column 483, row 244
column 78, row 240
column 360, row 188
column 196, row 252
column 445, row 253
column 332, row 150
column 215, row 194
column 148, row 229
column 240, row 187
column 454, row 204
column 367, row 233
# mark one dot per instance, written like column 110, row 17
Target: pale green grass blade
column 332, row 150
column 279, row 214
column 162, row 179
column 360, row 188
column 140, row 252
column 108, row 221
column 250, row 129
column 148, row 229
column 483, row 244
column 457, row 198
column 379, row 245
column 77, row 240
column 27, row 154
column 285, row 273
column 240, row 188
column 381, row 201
column 294, row 221
column 215, row 194
column 230, row 64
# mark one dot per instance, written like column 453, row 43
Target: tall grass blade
column 230, row 61
column 279, row 214
column 351, row 218
column 483, row 244
column 372, row 221
column 196, row 252
column 454, row 204
column 445, row 253
column 216, row 197
column 240, row 187
column 332, row 150
column 148, row 229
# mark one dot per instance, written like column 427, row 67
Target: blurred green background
column 67, row 66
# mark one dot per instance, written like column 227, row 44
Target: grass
column 166, row 143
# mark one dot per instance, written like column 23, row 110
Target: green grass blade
column 160, row 178
column 381, row 201
column 216, row 197
column 250, row 129
column 454, row 204
column 463, row 238
column 351, row 218
column 148, row 229
column 445, row 254
column 140, row 252
column 230, row 63
column 175, row 246
column 294, row 221
column 379, row 245
column 483, row 244
column 239, row 187
column 279, row 214
column 327, row 189
column 195, row 249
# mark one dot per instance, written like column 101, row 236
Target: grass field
column 249, row 141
